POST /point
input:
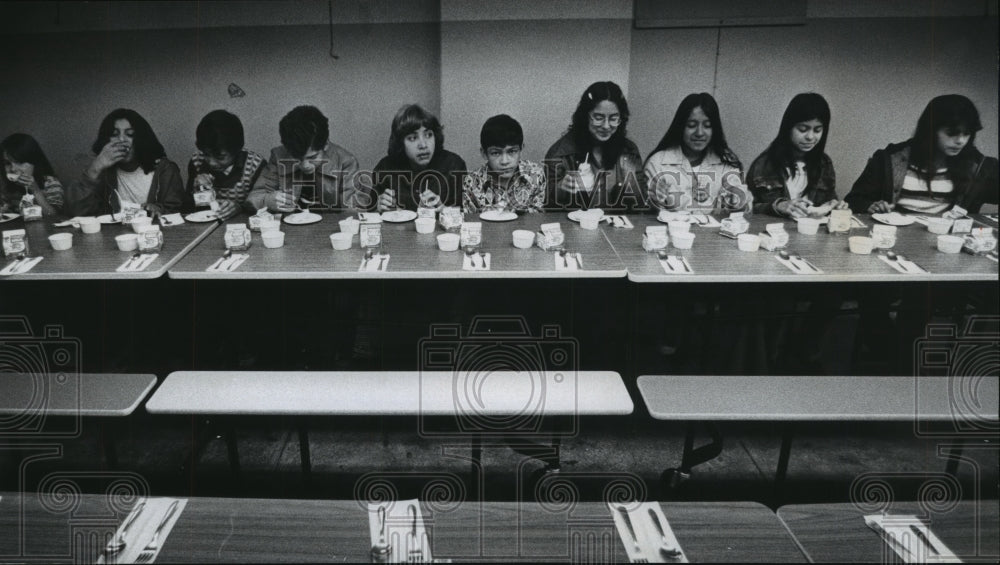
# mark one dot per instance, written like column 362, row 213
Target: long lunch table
column 96, row 256
column 965, row 402
column 715, row 258
column 837, row 532
column 60, row 527
column 308, row 254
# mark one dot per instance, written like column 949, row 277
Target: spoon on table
column 369, row 254
column 798, row 257
column 667, row 549
column 901, row 259
column 784, row 255
column 16, row 263
column 469, row 252
column 117, row 543
column 665, row 257
column 562, row 253
column 891, row 255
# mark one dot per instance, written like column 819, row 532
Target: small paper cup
column 90, row 225
column 748, row 242
column 267, row 226
column 949, row 243
column 424, row 225
column 675, row 227
column 808, row 226
column 589, row 221
column 861, row 245
column 273, row 239
column 884, row 236
column 341, row 241
column 683, row 240
column 127, row 241
column 523, row 239
column 138, row 224
column 939, row 226
column 61, row 241
column 448, row 241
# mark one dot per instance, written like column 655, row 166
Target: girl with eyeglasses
column 794, row 178
column 936, row 169
column 594, row 164
column 692, row 168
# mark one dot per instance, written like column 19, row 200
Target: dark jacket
column 767, row 183
column 85, row 197
column 975, row 184
column 622, row 188
column 444, row 176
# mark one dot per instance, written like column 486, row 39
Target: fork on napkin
column 137, row 263
column 21, row 266
column 228, row 264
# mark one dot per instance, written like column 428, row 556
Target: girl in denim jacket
column 794, row 178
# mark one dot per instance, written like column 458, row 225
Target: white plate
column 399, row 216
column 302, row 218
column 498, row 216
column 575, row 214
column 893, row 219
column 674, row 216
column 110, row 219
column 7, row 216
column 202, row 216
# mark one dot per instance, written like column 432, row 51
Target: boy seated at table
column 306, row 168
column 505, row 181
column 221, row 163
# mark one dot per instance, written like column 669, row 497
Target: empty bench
column 489, row 403
column 967, row 404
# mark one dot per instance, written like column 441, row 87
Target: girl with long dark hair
column 27, row 171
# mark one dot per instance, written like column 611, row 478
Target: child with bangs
column 506, row 182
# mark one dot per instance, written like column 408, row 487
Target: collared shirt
column 701, row 184
column 332, row 182
column 524, row 193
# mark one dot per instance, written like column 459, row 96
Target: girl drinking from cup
column 418, row 171
column 595, row 164
column 936, row 169
column 27, row 171
column 130, row 165
column 794, row 178
column 692, row 168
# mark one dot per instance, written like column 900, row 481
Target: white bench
column 967, row 402
column 487, row 403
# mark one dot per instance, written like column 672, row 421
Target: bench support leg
column 304, row 454
column 693, row 456
column 954, row 457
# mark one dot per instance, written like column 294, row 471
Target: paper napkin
column 911, row 539
column 16, row 267
column 476, row 262
column 400, row 525
column 647, row 545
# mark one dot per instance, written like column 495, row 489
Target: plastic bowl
column 267, row 226
column 949, row 243
column 589, row 221
column 61, row 241
column 523, row 239
column 748, row 242
column 939, row 226
column 808, row 226
column 683, row 240
column 342, row 241
column 425, row 225
column 90, row 225
column 678, row 226
column 448, row 241
column 862, row 245
column 273, row 239
column 127, row 241
column 350, row 225
column 141, row 222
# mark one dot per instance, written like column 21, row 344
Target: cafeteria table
column 964, row 402
column 68, row 527
column 308, row 254
column 715, row 258
column 96, row 256
column 838, row 533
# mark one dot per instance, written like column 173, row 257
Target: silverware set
column 667, row 550
column 667, row 260
column 567, row 255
